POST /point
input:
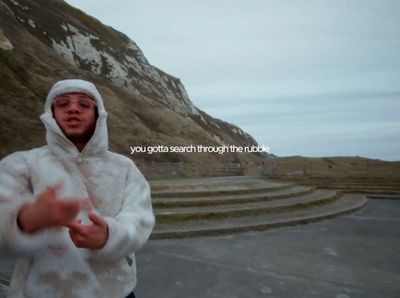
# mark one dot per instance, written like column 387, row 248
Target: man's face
column 75, row 114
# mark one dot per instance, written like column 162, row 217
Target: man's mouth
column 73, row 121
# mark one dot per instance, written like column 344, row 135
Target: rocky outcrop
column 42, row 41
column 5, row 44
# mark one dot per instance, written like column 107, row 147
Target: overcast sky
column 311, row 78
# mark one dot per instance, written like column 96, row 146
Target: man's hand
column 92, row 236
column 48, row 211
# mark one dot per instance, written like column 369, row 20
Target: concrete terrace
column 225, row 205
column 246, row 237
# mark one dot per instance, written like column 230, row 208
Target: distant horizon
column 336, row 156
column 289, row 74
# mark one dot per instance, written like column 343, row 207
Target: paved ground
column 347, row 257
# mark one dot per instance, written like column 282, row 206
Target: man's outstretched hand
column 48, row 211
column 91, row 236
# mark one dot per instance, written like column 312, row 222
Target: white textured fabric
column 49, row 264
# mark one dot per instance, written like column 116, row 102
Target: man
column 73, row 212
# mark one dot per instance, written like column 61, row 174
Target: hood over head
column 57, row 141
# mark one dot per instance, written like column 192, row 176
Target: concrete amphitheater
column 246, row 237
column 225, row 205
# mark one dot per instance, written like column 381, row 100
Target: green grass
column 176, row 218
column 170, row 177
column 205, row 203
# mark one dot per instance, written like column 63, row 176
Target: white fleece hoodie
column 49, row 264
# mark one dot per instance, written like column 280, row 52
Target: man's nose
column 73, row 107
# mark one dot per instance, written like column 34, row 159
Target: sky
column 312, row 78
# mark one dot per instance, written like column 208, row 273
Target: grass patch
column 170, row 177
column 176, row 218
column 205, row 193
column 229, row 201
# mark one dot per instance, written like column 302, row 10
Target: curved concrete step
column 383, row 196
column 210, row 183
column 353, row 186
column 360, row 188
column 359, row 184
column 369, row 185
column 362, row 185
column 337, row 179
column 231, row 199
column 367, row 191
column 224, row 190
column 370, row 181
column 363, row 182
column 4, row 284
column 195, row 228
column 223, row 211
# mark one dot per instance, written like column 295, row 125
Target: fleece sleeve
column 132, row 226
column 15, row 191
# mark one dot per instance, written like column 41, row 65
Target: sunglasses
column 65, row 103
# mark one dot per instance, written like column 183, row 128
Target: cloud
column 284, row 71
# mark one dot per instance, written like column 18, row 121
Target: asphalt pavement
column 355, row 256
column 352, row 256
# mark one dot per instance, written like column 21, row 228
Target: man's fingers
column 69, row 209
column 78, row 240
column 63, row 212
column 55, row 189
column 86, row 203
column 97, row 220
column 72, row 235
column 80, row 229
column 74, row 225
column 70, row 204
column 92, row 236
